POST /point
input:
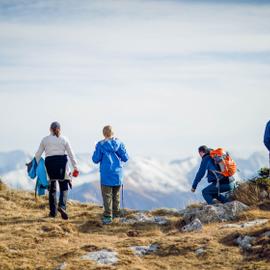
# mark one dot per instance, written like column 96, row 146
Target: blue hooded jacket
column 207, row 165
column 267, row 136
column 39, row 171
column 110, row 154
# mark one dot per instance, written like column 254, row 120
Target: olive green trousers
column 111, row 200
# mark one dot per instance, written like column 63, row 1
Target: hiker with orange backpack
column 220, row 169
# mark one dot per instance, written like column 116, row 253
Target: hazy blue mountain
column 149, row 182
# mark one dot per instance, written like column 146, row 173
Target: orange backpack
column 222, row 158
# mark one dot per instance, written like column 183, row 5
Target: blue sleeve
column 97, row 156
column 201, row 173
column 122, row 153
column 32, row 173
column 266, row 139
column 41, row 173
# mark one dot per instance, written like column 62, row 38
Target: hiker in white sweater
column 54, row 145
column 57, row 148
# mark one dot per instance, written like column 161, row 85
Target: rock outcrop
column 247, row 224
column 144, row 250
column 214, row 213
column 144, row 218
column 194, row 225
column 103, row 256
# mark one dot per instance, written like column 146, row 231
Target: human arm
column 200, row 174
column 122, row 153
column 40, row 151
column 71, row 155
column 97, row 155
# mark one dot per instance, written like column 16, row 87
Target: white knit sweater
column 53, row 146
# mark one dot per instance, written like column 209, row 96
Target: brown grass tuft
column 251, row 192
column 2, row 186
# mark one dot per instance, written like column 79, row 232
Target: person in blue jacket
column 212, row 191
column 110, row 153
column 266, row 139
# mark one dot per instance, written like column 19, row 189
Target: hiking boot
column 63, row 213
column 116, row 216
column 51, row 215
column 106, row 220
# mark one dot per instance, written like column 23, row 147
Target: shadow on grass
column 13, row 221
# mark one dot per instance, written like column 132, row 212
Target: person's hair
column 108, row 131
column 204, row 149
column 56, row 132
column 55, row 128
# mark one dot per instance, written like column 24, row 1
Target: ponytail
column 56, row 132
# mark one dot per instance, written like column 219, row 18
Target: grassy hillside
column 30, row 240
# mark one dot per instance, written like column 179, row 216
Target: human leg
column 116, row 201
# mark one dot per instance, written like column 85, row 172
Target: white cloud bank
column 169, row 75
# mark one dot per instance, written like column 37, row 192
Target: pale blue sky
column 168, row 75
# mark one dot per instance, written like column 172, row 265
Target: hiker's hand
column 193, row 190
column 75, row 172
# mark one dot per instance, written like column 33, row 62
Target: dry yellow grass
column 30, row 240
column 250, row 192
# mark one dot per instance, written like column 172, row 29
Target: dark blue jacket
column 266, row 139
column 207, row 165
column 110, row 154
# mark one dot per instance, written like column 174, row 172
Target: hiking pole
column 36, row 187
column 123, row 206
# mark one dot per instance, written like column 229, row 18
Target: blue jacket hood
column 111, row 145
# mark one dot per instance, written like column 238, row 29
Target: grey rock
column 160, row 220
column 264, row 195
column 194, row 225
column 245, row 242
column 266, row 234
column 200, row 251
column 248, row 224
column 143, row 218
column 144, row 250
column 102, row 257
column 215, row 213
column 62, row 266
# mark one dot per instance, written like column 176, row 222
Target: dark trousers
column 211, row 192
column 63, row 185
column 111, row 200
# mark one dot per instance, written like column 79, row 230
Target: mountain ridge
column 149, row 182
